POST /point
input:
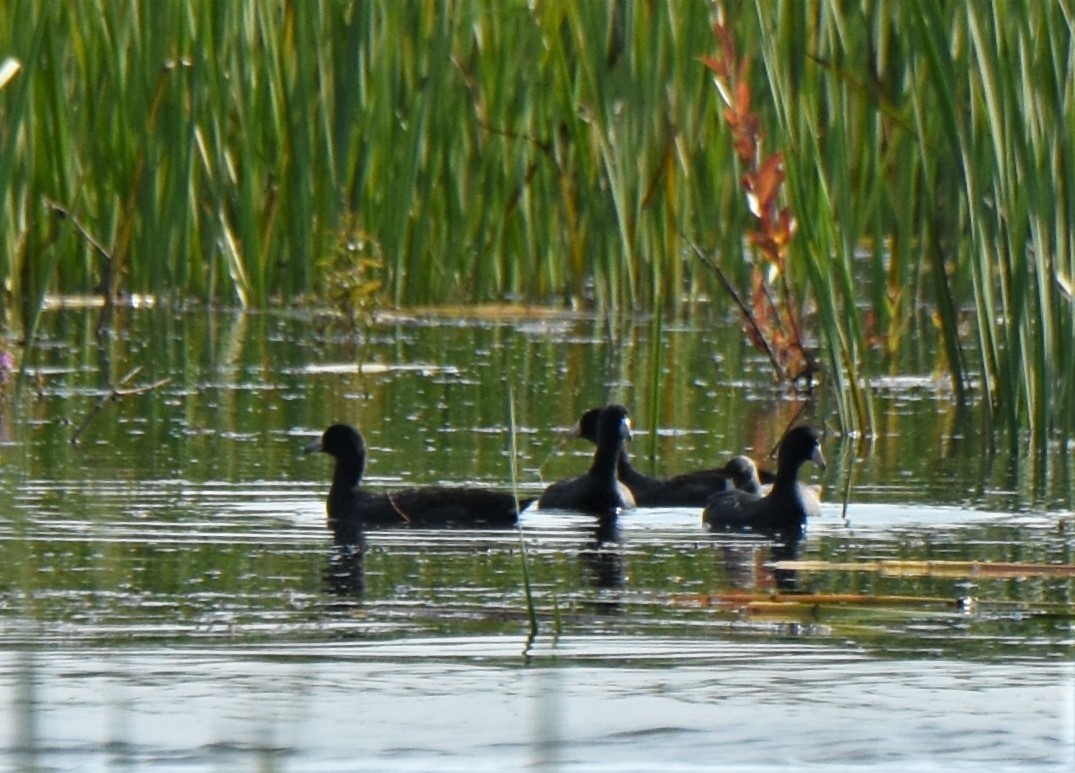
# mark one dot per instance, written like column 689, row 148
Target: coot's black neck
column 348, row 473
column 606, row 459
column 787, row 475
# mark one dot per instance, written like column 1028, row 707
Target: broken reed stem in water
column 513, row 460
column 957, row 569
column 775, row 601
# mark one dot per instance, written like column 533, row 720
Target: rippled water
column 585, row 701
column 168, row 593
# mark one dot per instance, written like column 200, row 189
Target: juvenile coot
column 351, row 508
column 689, row 489
column 743, row 474
column 693, row 489
column 598, row 491
column 785, row 508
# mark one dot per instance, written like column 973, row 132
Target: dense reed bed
column 931, row 142
column 563, row 152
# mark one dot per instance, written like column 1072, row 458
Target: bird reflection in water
column 343, row 574
column 602, row 556
column 748, row 564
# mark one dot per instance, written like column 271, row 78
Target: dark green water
column 163, row 594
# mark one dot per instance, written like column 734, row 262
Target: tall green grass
column 936, row 136
column 507, row 150
column 565, row 152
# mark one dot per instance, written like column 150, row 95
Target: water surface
column 169, row 594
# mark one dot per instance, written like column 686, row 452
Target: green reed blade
column 513, row 458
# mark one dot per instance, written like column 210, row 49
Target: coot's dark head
column 341, row 441
column 800, row 445
column 587, row 426
column 613, row 426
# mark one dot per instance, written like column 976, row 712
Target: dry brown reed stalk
column 773, row 316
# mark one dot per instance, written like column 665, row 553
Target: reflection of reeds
column 562, row 151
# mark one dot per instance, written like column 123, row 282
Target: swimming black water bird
column 599, row 491
column 785, row 508
column 351, row 508
column 689, row 489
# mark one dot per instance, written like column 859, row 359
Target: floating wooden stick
column 775, row 600
column 933, row 568
column 116, row 392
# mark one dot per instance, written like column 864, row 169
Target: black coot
column 598, row 491
column 351, row 508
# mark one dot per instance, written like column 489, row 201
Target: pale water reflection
column 474, row 703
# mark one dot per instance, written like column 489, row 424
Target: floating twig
column 115, row 393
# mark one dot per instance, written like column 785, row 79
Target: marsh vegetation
column 393, row 154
